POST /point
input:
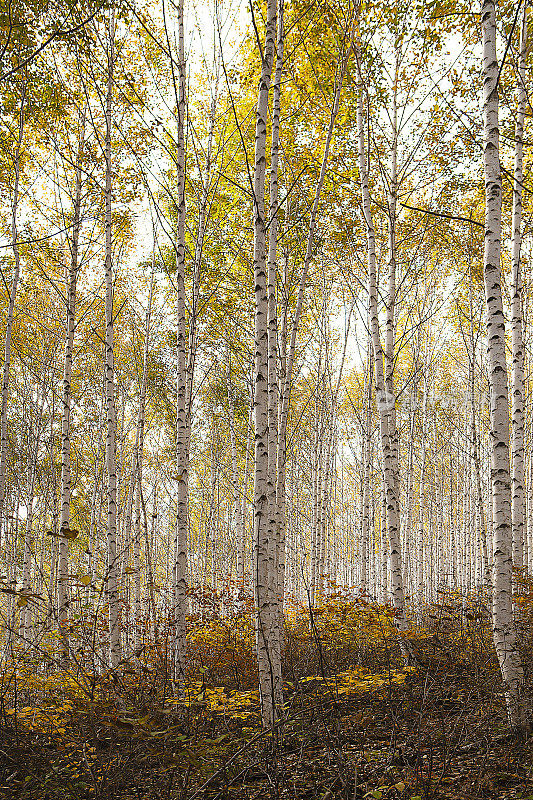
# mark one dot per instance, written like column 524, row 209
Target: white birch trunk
column 268, row 658
column 367, row 456
column 137, row 469
column 384, row 401
column 10, row 314
column 64, row 522
column 112, row 589
column 235, row 524
column 182, row 427
column 275, row 534
column 518, row 506
column 503, row 628
column 26, row 588
column 137, row 568
column 244, row 507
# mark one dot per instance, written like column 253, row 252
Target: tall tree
column 11, row 305
column 182, row 428
column 70, row 326
column 110, row 450
column 268, row 655
column 384, row 398
column 517, row 339
column 504, row 632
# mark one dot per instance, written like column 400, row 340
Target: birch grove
column 266, row 296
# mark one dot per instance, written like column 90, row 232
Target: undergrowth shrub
column 342, row 669
column 339, row 643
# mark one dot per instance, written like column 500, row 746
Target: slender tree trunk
column 149, row 540
column 64, row 523
column 244, row 508
column 390, row 322
column 281, row 470
column 503, row 627
column 367, row 455
column 10, row 314
column 485, row 566
column 236, row 505
column 518, row 506
column 421, row 506
column 25, row 612
column 182, row 427
column 137, row 469
column 112, row 588
column 203, row 215
column 384, row 401
column 290, row 353
column 267, row 655
column 275, row 535
column 137, row 567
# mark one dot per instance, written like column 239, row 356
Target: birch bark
column 367, row 455
column 236, row 504
column 384, row 401
column 37, row 426
column 112, row 588
column 518, row 505
column 244, row 507
column 182, row 427
column 275, row 533
column 137, row 569
column 10, row 314
column 502, row 614
column 64, row 523
column 268, row 658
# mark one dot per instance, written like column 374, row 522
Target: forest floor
column 358, row 725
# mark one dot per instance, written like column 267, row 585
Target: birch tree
column 6, row 367
column 182, row 431
column 518, row 507
column 276, row 559
column 70, row 325
column 268, row 655
column 385, row 401
column 504, row 633
column 112, row 588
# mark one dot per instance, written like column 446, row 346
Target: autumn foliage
column 89, row 732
